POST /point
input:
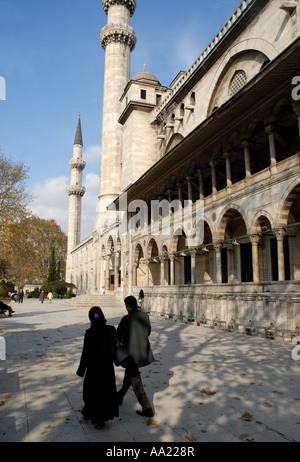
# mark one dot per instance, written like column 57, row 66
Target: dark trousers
column 132, row 377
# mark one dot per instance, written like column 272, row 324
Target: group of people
column 17, row 296
column 100, row 396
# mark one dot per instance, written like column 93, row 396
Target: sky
column 52, row 64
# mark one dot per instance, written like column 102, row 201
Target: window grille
column 238, row 81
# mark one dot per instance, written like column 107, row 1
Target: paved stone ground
column 206, row 385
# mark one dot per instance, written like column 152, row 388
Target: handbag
column 119, row 352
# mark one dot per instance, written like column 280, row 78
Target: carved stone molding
column 113, row 33
column 77, row 163
column 76, row 190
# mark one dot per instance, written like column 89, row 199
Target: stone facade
column 222, row 142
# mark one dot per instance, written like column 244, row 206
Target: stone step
column 105, row 301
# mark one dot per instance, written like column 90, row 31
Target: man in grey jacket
column 133, row 331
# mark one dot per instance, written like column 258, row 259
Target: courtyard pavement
column 206, row 385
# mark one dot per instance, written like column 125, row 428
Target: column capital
column 269, row 129
column 280, row 233
column 255, row 239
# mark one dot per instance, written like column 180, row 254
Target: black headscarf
column 96, row 316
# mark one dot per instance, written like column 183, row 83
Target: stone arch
column 175, row 139
column 154, row 267
column 263, row 50
column 229, row 213
column 287, row 201
column 260, row 220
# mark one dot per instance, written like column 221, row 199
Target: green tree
column 52, row 271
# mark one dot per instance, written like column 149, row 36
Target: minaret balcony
column 77, row 163
column 75, row 190
column 114, row 33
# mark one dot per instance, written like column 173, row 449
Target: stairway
column 104, row 301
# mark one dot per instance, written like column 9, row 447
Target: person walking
column 50, row 297
column 42, row 296
column 96, row 366
column 133, row 331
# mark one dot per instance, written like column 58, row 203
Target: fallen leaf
column 266, row 403
column 7, row 397
column 207, row 391
column 151, row 422
column 278, row 392
column 49, row 427
column 2, row 403
column 246, row 417
column 236, row 397
column 191, row 437
column 177, row 389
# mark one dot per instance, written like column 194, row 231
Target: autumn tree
column 14, row 201
column 31, row 241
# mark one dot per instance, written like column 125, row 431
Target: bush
column 6, row 288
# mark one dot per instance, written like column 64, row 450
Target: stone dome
column 145, row 77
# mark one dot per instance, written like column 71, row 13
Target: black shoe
column 147, row 413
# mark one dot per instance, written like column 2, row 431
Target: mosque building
column 199, row 201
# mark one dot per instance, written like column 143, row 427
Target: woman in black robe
column 99, row 386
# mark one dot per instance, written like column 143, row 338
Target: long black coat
column 134, row 330
column 99, row 387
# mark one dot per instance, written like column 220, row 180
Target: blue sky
column 53, row 66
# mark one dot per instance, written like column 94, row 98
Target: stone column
column 117, row 269
column 280, row 238
column 147, row 273
column 254, row 242
column 213, row 177
column 245, row 145
column 201, row 185
column 134, row 273
column 228, row 169
column 162, row 271
column 107, row 272
column 172, row 270
column 218, row 263
column 193, row 254
column 190, row 188
column 272, row 145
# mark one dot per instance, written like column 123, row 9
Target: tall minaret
column 118, row 39
column 75, row 190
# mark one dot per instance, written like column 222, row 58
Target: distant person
column 42, row 296
column 96, row 365
column 141, row 299
column 50, row 297
column 21, row 295
column 133, row 331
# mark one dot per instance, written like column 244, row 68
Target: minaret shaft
column 75, row 191
column 118, row 40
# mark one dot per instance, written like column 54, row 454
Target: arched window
column 238, row 81
column 193, row 99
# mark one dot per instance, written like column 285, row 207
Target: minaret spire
column 78, row 136
column 75, row 190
